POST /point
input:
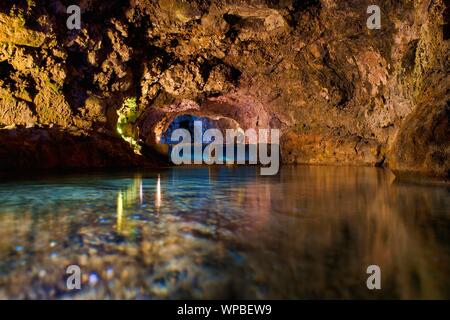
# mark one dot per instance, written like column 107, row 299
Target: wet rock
column 40, row 148
column 339, row 92
column 182, row 81
column 422, row 146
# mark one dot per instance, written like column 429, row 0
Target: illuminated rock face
column 339, row 92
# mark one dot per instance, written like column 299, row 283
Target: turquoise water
column 224, row 232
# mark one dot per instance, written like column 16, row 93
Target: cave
column 225, row 149
column 187, row 122
column 235, row 146
column 235, row 113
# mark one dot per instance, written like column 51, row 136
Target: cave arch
column 228, row 111
column 186, row 121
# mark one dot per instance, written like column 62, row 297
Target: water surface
column 224, row 232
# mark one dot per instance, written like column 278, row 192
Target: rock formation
column 339, row 92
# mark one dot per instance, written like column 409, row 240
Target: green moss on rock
column 128, row 114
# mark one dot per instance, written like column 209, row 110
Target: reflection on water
column 225, row 232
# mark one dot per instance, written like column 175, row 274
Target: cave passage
column 187, row 122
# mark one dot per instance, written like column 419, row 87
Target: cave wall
column 340, row 93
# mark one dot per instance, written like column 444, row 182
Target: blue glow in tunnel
column 186, row 122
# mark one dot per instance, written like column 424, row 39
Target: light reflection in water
column 158, row 197
column 119, row 211
column 226, row 232
column 128, row 199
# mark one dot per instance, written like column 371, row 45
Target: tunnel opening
column 234, row 130
column 196, row 127
column 187, row 122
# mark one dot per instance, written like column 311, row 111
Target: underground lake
column 224, row 232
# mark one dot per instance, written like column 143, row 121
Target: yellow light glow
column 119, row 223
column 158, row 197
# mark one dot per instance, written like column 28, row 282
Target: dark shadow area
column 56, row 149
column 446, row 26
